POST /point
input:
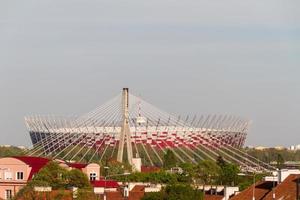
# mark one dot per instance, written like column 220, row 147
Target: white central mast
column 125, row 136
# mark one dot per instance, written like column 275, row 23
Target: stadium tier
column 128, row 127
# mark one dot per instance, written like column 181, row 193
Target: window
column 20, row 175
column 7, row 175
column 8, row 194
column 93, row 176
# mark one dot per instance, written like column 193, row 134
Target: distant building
column 5, row 145
column 279, row 147
column 292, row 148
column 260, row 148
column 295, row 147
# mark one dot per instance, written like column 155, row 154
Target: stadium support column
column 125, row 136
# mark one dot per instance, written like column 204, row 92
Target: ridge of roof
column 105, row 183
column 262, row 188
column 287, row 189
column 77, row 165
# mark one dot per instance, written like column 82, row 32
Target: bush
column 176, row 192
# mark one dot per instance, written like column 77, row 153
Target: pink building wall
column 92, row 168
column 10, row 166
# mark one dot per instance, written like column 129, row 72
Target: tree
column 175, row 192
column 189, row 173
column 208, row 171
column 114, row 167
column 11, row 151
column 220, row 161
column 77, row 178
column 84, row 194
column 182, row 192
column 280, row 161
column 60, row 179
column 229, row 174
column 169, row 160
column 52, row 174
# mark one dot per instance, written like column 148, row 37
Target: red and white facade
column 151, row 132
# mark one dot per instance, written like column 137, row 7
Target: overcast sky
column 65, row 57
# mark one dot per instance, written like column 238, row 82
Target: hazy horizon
column 191, row 57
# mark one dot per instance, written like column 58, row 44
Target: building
column 285, row 185
column 15, row 172
column 295, row 147
column 131, row 125
column 101, row 186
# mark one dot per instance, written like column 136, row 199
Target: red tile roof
column 286, row 190
column 149, row 169
column 36, row 163
column 262, row 188
column 105, row 183
column 213, row 197
column 138, row 188
column 137, row 192
column 114, row 195
column 77, row 165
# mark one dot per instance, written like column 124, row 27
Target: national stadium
column 127, row 128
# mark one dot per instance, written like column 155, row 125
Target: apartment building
column 15, row 172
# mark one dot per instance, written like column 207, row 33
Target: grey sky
column 236, row 57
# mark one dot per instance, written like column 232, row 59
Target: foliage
column 229, row 174
column 169, row 160
column 245, row 181
column 189, row 173
column 208, row 171
column 280, row 161
column 57, row 177
column 26, row 192
column 182, row 192
column 84, row 194
column 78, row 179
column 175, row 192
column 114, row 168
column 155, row 177
column 11, row 151
column 271, row 154
column 61, row 195
column 220, row 161
column 53, row 174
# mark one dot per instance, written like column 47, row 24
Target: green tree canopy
column 229, row 174
column 52, row 174
column 175, row 192
column 77, row 178
column 58, row 178
column 220, row 161
column 169, row 160
column 280, row 161
column 208, row 171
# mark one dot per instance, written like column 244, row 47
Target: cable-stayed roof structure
column 128, row 127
